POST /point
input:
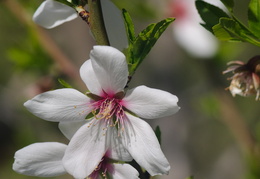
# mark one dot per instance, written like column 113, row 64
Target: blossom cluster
column 105, row 125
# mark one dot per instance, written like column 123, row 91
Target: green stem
column 96, row 22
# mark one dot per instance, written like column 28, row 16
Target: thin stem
column 96, row 22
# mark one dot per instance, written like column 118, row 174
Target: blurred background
column 213, row 136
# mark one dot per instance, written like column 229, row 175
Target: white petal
column 68, row 129
column 110, row 67
column 142, row 144
column 52, row 13
column 114, row 22
column 124, row 171
column 189, row 33
column 40, row 159
column 60, row 105
column 150, row 103
column 195, row 39
column 117, row 149
column 89, row 77
column 86, row 149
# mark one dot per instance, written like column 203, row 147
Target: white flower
column 51, row 14
column 188, row 31
column 115, row 115
column 45, row 160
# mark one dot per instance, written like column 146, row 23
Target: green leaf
column 129, row 26
column 158, row 133
column 254, row 17
column 223, row 34
column 230, row 30
column 210, row 14
column 64, row 83
column 89, row 116
column 229, row 4
column 143, row 43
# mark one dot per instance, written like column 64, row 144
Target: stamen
column 111, row 111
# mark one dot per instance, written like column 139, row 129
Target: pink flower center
column 110, row 110
column 179, row 9
column 104, row 168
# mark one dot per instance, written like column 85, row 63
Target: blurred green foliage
column 28, row 56
column 142, row 9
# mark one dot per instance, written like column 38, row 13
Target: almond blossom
column 45, row 160
column 188, row 31
column 106, row 115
